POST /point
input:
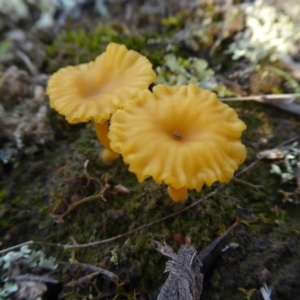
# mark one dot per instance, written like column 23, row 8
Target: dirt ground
column 103, row 247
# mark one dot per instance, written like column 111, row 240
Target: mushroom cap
column 182, row 136
column 94, row 90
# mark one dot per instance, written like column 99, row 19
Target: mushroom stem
column 102, row 131
column 178, row 194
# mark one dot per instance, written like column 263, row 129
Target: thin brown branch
column 82, row 201
column 255, row 186
column 247, row 168
column 99, row 195
column 287, row 102
column 17, row 246
column 81, row 279
column 113, row 277
column 261, row 98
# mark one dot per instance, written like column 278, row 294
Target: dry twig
column 261, row 98
column 282, row 101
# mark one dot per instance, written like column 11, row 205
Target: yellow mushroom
column 95, row 90
column 182, row 136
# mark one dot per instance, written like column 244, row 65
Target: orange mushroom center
column 92, row 89
column 177, row 135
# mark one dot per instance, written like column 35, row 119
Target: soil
column 47, row 166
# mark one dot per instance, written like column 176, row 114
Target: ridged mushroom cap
column 182, row 136
column 94, row 90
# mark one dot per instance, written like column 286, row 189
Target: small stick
column 255, row 186
column 82, row 279
column 82, row 201
column 261, row 98
column 110, row 275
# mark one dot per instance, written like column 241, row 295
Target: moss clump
column 3, row 194
column 79, row 46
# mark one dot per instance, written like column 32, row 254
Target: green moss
column 5, row 224
column 16, row 200
column 80, row 46
column 3, row 194
column 60, row 182
column 147, row 202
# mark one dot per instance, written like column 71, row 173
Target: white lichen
column 24, row 110
column 268, row 31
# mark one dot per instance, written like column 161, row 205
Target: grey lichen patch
column 269, row 32
column 16, row 264
column 24, row 121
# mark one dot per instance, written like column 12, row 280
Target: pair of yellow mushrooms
column 182, row 136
